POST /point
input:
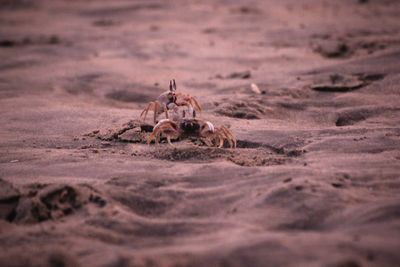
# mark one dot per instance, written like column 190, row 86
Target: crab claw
column 164, row 127
column 210, row 126
column 217, row 135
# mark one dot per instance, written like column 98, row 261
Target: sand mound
column 36, row 203
column 9, row 198
column 40, row 258
column 242, row 109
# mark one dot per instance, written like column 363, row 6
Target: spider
column 192, row 127
column 171, row 100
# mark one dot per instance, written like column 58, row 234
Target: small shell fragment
column 255, row 88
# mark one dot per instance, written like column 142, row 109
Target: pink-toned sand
column 314, row 181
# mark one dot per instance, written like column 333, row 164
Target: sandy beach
column 310, row 89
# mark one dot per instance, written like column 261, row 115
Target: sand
column 314, row 180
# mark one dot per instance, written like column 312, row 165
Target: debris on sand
column 339, row 83
column 25, row 41
column 346, row 82
column 7, row 43
column 104, row 23
column 350, row 45
column 332, row 49
column 132, row 136
column 371, row 77
column 235, row 75
column 254, row 87
column 239, row 75
column 133, row 131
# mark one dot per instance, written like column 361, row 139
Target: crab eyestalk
column 172, row 85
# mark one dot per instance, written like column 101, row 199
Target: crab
column 192, row 127
column 171, row 100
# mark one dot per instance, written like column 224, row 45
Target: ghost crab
column 171, row 100
column 185, row 127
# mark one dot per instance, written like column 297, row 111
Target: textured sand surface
column 314, row 180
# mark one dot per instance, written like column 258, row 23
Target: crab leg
column 144, row 112
column 194, row 103
column 157, row 110
column 166, row 113
column 221, row 134
column 155, row 106
column 169, row 140
column 229, row 136
column 221, row 141
column 151, row 137
column 156, row 132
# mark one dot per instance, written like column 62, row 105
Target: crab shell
column 170, row 99
column 192, row 128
